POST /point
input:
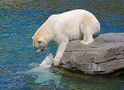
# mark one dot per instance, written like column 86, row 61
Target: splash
column 44, row 74
column 47, row 62
column 44, row 66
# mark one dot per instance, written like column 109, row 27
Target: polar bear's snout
column 39, row 45
column 39, row 49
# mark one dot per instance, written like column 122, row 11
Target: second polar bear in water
column 72, row 25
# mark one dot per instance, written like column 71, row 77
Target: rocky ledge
column 103, row 56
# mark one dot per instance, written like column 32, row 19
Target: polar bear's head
column 39, row 43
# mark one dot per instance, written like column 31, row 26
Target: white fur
column 71, row 25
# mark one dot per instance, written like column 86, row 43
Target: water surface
column 19, row 19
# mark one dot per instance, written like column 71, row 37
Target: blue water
column 19, row 21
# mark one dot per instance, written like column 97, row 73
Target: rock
column 103, row 56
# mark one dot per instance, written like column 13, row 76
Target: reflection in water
column 19, row 19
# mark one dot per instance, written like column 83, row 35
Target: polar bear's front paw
column 56, row 62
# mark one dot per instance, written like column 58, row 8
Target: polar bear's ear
column 32, row 37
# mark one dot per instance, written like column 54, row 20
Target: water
column 19, row 68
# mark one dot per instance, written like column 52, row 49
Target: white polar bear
column 71, row 25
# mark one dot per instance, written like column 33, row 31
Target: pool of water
column 19, row 70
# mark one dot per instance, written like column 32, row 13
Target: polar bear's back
column 71, row 16
column 69, row 23
column 74, row 15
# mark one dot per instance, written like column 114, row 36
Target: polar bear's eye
column 39, row 42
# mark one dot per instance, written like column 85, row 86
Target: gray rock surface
column 103, row 56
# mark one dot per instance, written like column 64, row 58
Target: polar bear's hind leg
column 87, row 30
column 89, row 26
column 87, row 38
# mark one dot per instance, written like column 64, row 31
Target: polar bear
column 75, row 24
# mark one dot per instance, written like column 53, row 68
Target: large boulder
column 103, row 56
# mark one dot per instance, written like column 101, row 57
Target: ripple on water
column 19, row 21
